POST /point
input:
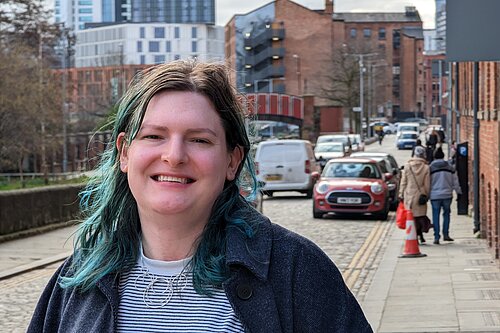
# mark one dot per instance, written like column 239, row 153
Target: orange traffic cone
column 411, row 243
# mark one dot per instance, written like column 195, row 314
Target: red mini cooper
column 352, row 186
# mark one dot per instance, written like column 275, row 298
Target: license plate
column 274, row 177
column 408, row 146
column 349, row 200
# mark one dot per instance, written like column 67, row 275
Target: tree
column 342, row 80
column 30, row 98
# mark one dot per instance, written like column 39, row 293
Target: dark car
column 352, row 186
column 392, row 167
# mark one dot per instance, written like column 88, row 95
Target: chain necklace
column 159, row 289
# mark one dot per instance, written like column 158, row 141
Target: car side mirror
column 315, row 176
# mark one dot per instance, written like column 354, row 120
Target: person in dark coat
column 169, row 243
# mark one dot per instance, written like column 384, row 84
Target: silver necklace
column 160, row 289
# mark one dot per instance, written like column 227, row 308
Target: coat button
column 244, row 291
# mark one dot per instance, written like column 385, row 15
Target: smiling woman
column 169, row 242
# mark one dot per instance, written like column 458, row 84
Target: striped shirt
column 158, row 296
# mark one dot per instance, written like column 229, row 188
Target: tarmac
column 455, row 288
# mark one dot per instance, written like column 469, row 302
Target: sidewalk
column 455, row 288
column 25, row 253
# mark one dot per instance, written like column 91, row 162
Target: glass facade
column 174, row 11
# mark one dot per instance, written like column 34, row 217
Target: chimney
column 411, row 11
column 329, row 7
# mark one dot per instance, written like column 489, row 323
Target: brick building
column 488, row 140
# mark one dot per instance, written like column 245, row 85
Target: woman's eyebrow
column 165, row 128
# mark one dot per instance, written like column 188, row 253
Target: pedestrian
column 418, row 143
column 432, row 140
column 453, row 153
column 380, row 137
column 444, row 181
column 168, row 243
column 415, row 182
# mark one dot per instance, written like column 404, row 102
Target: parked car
column 344, row 138
column 352, row 185
column 286, row 165
column 407, row 140
column 392, row 167
column 356, row 142
column 390, row 128
column 327, row 150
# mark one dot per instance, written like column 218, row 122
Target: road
column 355, row 245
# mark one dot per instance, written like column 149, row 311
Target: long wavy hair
column 108, row 240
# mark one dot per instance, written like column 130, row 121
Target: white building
column 147, row 43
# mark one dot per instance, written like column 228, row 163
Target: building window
column 85, row 2
column 194, row 32
column 194, row 46
column 154, row 46
column 177, row 32
column 143, row 59
column 353, row 33
column 159, row 59
column 142, row 32
column 84, row 11
column 168, row 46
column 85, row 19
column 381, row 33
column 367, row 32
column 139, row 46
column 177, row 57
column 160, row 32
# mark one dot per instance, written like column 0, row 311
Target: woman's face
column 179, row 160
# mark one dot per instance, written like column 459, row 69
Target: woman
column 415, row 181
column 168, row 243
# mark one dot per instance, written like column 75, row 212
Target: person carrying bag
column 415, row 182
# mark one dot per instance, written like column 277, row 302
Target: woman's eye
column 151, row 137
column 200, row 140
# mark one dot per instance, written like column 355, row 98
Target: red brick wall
column 308, row 35
column 489, row 144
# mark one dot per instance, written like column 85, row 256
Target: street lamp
column 297, row 70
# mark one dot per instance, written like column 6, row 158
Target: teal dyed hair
column 108, row 240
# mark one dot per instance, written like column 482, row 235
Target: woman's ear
column 122, row 147
column 235, row 158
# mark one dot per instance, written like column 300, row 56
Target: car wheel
column 382, row 215
column 316, row 213
column 394, row 205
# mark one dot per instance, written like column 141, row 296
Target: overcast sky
column 225, row 9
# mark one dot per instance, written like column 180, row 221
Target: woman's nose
column 174, row 152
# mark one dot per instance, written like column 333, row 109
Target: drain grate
column 490, row 294
column 479, row 262
column 491, row 318
column 486, row 277
column 476, row 250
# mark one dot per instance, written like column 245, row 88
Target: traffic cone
column 411, row 243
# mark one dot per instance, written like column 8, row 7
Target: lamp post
column 298, row 72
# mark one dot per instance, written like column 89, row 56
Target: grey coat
column 415, row 183
column 280, row 282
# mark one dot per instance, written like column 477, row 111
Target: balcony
column 266, row 35
column 274, row 53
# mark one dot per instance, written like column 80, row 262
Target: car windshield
column 329, row 148
column 332, row 138
column 351, row 170
column 408, row 136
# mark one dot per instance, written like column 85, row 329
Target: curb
column 34, row 265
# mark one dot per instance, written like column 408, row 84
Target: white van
column 286, row 165
column 407, row 127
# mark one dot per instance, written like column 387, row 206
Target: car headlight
column 376, row 188
column 322, row 187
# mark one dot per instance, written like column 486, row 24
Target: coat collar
column 253, row 253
